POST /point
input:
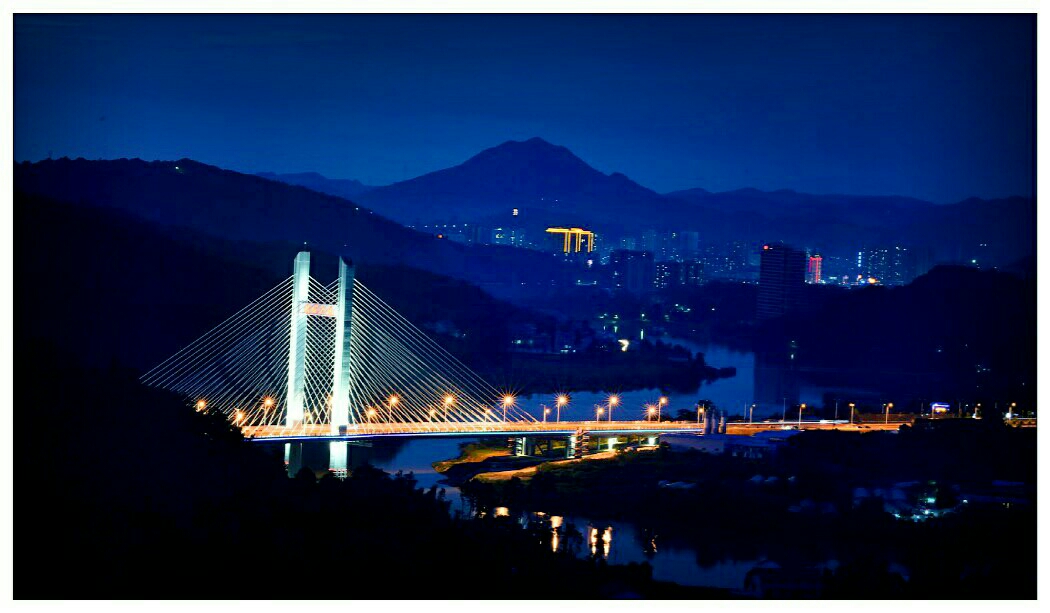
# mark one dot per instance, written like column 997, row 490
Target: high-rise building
column 679, row 274
column 571, row 240
column 813, row 268
column 781, row 276
column 633, row 271
column 895, row 265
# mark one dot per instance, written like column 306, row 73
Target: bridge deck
column 563, row 428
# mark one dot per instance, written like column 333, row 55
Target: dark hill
column 134, row 292
column 342, row 188
column 234, row 206
column 547, row 180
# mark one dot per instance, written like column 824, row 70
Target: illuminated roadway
column 563, row 428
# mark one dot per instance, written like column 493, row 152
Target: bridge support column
column 653, row 441
column 611, row 442
column 341, row 378
column 570, row 446
column 337, row 458
column 297, row 342
column 293, row 458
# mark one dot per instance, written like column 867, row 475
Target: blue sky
column 935, row 107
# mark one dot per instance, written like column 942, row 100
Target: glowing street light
column 391, row 402
column 598, row 413
column 651, row 410
column 508, row 401
column 751, row 415
column 801, row 408
column 449, row 400
column 201, row 404
column 432, row 413
column 238, row 416
column 889, row 405
column 546, row 412
column 371, row 413
column 852, row 406
column 267, row 402
column 613, row 401
column 561, row 401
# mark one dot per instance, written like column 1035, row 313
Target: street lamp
column 651, row 410
column 1010, row 415
column 508, row 400
column 699, row 408
column 371, row 413
column 391, row 403
column 449, row 399
column 598, row 413
column 201, row 404
column 613, row 401
column 801, row 407
column 851, row 407
column 659, row 407
column 751, row 415
column 561, row 401
column 889, row 405
column 546, row 412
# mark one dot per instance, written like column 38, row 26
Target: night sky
column 936, row 107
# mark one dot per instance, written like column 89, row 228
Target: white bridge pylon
column 305, row 354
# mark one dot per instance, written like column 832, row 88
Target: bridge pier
column 293, row 458
column 610, row 443
column 653, row 441
column 338, row 453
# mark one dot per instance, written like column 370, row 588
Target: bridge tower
column 341, row 374
column 297, row 346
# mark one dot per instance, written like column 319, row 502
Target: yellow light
column 393, row 400
column 600, row 411
column 508, row 400
column 201, row 404
column 652, row 409
column 803, row 406
column 371, row 412
column 663, row 400
column 563, row 400
column 851, row 405
column 449, row 399
column 546, row 411
column 267, row 402
column 614, row 400
column 432, row 412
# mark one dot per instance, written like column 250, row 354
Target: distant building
column 571, row 240
column 782, row 274
column 633, row 271
column 515, row 237
column 813, row 268
column 679, row 274
column 896, row 265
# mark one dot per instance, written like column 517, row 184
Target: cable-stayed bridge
column 308, row 361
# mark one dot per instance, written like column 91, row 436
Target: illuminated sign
column 939, row 408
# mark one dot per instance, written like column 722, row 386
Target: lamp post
column 390, row 404
column 561, row 401
column 449, row 399
column 699, row 409
column 650, row 412
column 508, row 400
column 546, row 412
column 659, row 408
column 598, row 413
column 751, row 415
column 889, row 405
column 801, row 408
column 851, row 407
column 613, row 401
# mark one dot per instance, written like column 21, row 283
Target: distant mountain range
column 232, row 206
column 545, row 185
column 549, row 185
column 343, row 188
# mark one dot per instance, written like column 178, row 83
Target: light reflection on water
column 631, row 543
